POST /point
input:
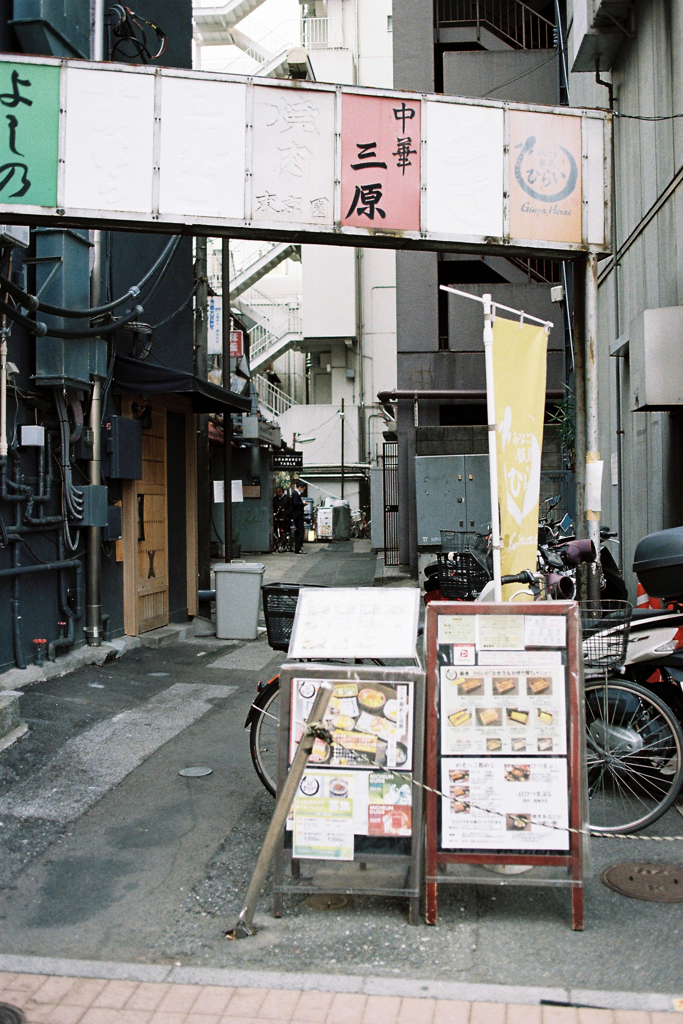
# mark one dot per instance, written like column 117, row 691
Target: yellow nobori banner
column 519, row 375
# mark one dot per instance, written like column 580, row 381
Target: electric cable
column 33, row 303
column 40, row 329
column 125, row 31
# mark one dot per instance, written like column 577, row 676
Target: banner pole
column 493, row 447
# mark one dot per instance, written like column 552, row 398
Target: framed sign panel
column 505, row 763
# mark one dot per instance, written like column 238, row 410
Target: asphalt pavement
column 107, row 853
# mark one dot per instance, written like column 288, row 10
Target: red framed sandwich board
column 505, row 747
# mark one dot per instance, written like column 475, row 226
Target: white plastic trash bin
column 238, row 596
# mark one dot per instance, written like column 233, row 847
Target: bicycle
column 282, row 536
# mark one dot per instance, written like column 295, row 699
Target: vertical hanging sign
column 380, row 178
column 519, row 373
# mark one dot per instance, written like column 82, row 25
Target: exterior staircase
column 213, row 24
column 275, row 335
column 273, row 401
column 512, row 21
column 266, row 258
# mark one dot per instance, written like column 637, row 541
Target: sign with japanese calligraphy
column 236, row 344
column 167, row 149
column 292, row 178
column 29, row 95
column 519, row 373
column 380, row 181
column 545, row 177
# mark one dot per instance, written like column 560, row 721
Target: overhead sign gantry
column 96, row 145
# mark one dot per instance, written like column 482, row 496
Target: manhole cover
column 11, row 1014
column 328, row 902
column 195, row 773
column 660, row 883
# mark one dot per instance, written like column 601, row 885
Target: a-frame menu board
column 505, row 763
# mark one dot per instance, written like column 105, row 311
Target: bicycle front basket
column 605, row 628
column 461, row 576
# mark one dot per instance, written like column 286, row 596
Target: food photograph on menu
column 486, row 710
column 501, row 804
column 371, row 724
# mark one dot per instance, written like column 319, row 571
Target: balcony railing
column 511, row 20
column 322, row 34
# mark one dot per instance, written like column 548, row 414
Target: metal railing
column 274, row 399
column 510, row 20
column 322, row 34
column 286, row 319
column 311, row 33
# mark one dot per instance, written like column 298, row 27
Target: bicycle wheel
column 263, row 735
column 635, row 756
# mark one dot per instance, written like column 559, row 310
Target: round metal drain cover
column 660, row 883
column 195, row 773
column 327, row 901
column 11, row 1014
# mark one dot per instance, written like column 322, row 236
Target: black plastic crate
column 461, row 576
column 279, row 608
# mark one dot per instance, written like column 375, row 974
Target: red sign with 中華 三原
column 380, row 177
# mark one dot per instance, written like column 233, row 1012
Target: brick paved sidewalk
column 59, row 1000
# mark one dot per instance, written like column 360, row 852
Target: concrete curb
column 364, row 984
column 18, row 678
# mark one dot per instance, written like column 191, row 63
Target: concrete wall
column 528, row 76
column 648, row 81
column 329, row 291
column 323, row 423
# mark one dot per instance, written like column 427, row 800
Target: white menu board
column 355, row 622
column 501, row 711
column 504, row 803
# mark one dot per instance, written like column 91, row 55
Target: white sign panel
column 464, row 170
column 355, row 622
column 215, row 325
column 203, row 147
column 109, row 157
column 293, row 157
column 504, row 804
column 503, row 711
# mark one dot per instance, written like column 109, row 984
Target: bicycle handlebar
column 525, row 576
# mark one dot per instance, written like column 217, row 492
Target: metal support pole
column 493, row 445
column 592, row 432
column 227, row 418
column 580, row 412
column 201, row 369
column 244, row 926
column 93, row 599
column 342, row 415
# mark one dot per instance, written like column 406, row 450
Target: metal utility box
column 94, row 505
column 63, row 279
column 122, row 448
column 655, row 359
column 452, row 493
column 114, row 528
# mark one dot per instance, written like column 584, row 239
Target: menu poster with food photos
column 371, row 724
column 323, row 816
column 502, row 711
column 504, row 803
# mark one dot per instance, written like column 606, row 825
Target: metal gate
column 390, row 486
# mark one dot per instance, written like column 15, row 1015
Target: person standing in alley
column 298, row 516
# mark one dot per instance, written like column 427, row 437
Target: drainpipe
column 227, row 416
column 93, row 604
column 592, row 428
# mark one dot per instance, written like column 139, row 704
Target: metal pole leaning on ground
column 244, row 926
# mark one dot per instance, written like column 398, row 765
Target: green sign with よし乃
column 29, row 134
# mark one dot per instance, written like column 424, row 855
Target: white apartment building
column 322, row 318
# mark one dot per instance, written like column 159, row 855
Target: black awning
column 133, row 377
